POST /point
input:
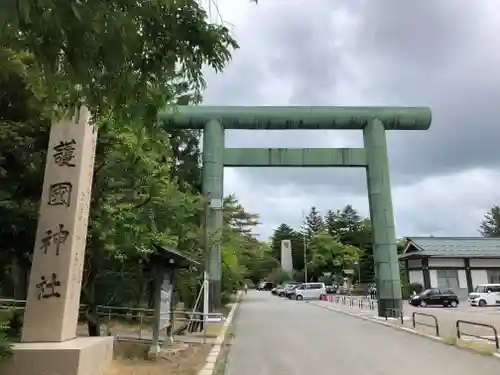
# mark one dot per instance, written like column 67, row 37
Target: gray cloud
column 361, row 52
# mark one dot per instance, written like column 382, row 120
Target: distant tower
column 286, row 256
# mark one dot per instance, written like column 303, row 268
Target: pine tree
column 236, row 217
column 332, row 222
column 314, row 223
column 349, row 219
column 490, row 226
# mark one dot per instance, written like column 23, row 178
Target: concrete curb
column 398, row 328
column 209, row 367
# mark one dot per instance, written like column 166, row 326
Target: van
column 310, row 291
column 485, row 295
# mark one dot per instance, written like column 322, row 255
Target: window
column 447, row 279
column 314, row 286
column 493, row 276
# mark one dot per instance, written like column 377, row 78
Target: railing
column 394, row 312
column 425, row 324
column 494, row 339
column 137, row 320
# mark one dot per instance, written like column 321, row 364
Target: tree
column 125, row 59
column 490, row 226
column 332, row 222
column 329, row 254
column 236, row 216
column 313, row 223
column 349, row 220
column 24, row 135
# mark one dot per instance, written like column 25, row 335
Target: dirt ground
column 129, row 360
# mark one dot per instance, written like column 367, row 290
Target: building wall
column 416, row 276
column 434, row 278
column 484, row 263
column 462, row 279
column 414, row 263
column 479, row 277
column 482, row 270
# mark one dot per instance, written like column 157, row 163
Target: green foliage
column 278, row 276
column 329, row 254
column 490, row 226
column 124, row 59
column 244, row 257
column 345, row 227
column 314, row 223
column 5, row 339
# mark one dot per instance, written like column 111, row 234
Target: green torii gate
column 373, row 121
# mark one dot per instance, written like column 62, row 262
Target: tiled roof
column 474, row 247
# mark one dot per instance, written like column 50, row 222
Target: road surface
column 275, row 336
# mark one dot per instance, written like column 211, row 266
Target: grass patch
column 220, row 365
column 480, row 347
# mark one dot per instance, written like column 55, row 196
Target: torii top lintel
column 303, row 118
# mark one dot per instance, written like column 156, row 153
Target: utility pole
column 304, row 231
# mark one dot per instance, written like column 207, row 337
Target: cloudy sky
column 444, row 54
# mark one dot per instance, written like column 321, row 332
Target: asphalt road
column 276, row 336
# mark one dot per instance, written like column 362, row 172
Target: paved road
column 276, row 336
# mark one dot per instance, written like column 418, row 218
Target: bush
column 278, row 276
column 5, row 342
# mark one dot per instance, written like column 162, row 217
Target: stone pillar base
column 391, row 308
column 79, row 356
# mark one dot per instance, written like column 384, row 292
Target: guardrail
column 394, row 312
column 494, row 339
column 425, row 324
column 141, row 319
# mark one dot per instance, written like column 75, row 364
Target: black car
column 332, row 288
column 435, row 297
column 266, row 285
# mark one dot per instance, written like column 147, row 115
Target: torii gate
column 373, row 121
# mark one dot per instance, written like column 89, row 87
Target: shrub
column 5, row 342
column 278, row 276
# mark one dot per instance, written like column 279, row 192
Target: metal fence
column 134, row 323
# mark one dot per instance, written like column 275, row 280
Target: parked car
column 275, row 289
column 265, row 285
column 286, row 287
column 290, row 291
column 485, row 295
column 331, row 288
column 435, row 297
column 310, row 291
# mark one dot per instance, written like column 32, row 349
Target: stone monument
column 49, row 344
column 286, row 256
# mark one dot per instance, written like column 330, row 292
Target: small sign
column 216, row 203
column 349, row 272
column 327, row 274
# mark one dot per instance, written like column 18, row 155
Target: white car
column 485, row 295
column 310, row 291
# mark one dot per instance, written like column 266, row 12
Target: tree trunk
column 89, row 292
